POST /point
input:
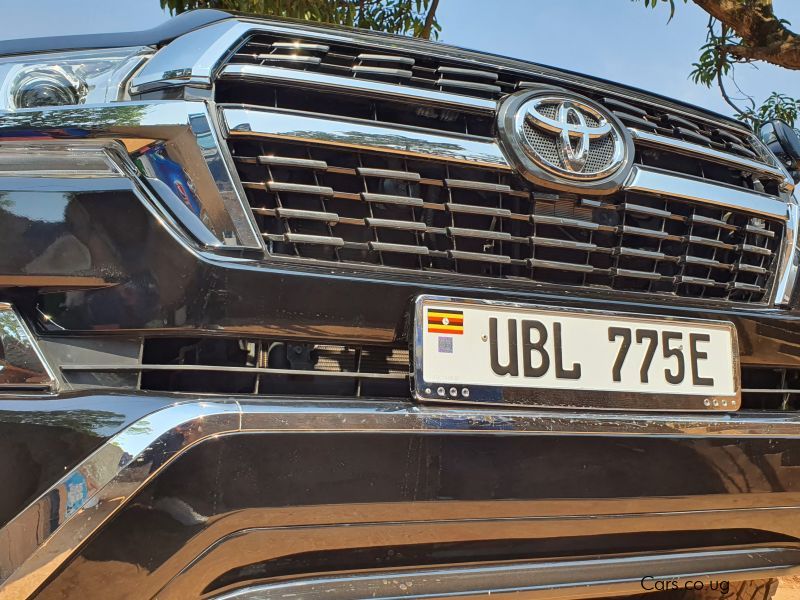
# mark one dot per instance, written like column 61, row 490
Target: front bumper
column 199, row 496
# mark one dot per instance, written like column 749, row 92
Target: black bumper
column 199, row 496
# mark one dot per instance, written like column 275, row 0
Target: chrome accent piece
column 299, row 188
column 360, row 87
column 554, row 579
column 697, row 280
column 357, row 134
column 461, row 72
column 388, row 174
column 183, row 131
column 286, row 161
column 402, row 248
column 477, row 256
column 648, row 180
column 322, row 48
column 22, row 365
column 401, row 60
column 136, row 455
column 660, row 141
column 392, row 224
column 790, row 257
column 705, row 262
column 654, row 233
column 559, row 266
column 291, row 58
column 401, row 73
column 481, row 186
column 471, row 209
column 564, row 140
column 645, row 210
column 738, row 285
column 572, row 245
column 469, row 85
column 324, row 240
column 755, row 249
column 651, row 254
column 565, row 222
column 709, row 221
column 310, row 215
column 637, row 274
column 391, row 199
column 751, row 269
column 478, row 233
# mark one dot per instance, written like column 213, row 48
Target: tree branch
column 428, row 27
column 764, row 37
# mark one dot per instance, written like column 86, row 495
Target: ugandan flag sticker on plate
column 441, row 320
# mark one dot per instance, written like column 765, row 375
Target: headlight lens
column 67, row 78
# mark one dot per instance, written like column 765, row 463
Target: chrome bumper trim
column 242, row 121
column 130, row 459
column 542, row 579
column 695, row 150
column 655, row 181
column 360, row 87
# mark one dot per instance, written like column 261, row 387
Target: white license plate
column 492, row 352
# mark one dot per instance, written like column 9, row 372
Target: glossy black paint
column 42, row 438
column 157, row 36
column 254, row 506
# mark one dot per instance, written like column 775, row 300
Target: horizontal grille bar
column 690, row 149
column 282, row 125
column 350, row 85
column 654, row 181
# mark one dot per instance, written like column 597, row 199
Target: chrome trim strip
column 659, row 141
column 361, row 87
column 790, row 257
column 130, row 459
column 552, row 579
column 243, row 121
column 185, row 130
column 655, row 181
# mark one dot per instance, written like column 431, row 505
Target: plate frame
column 426, row 392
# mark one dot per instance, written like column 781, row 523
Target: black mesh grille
column 367, row 208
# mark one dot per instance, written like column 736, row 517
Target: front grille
column 366, row 208
column 396, row 211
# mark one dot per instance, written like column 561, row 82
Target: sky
column 619, row 40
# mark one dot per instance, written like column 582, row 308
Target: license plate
column 492, row 352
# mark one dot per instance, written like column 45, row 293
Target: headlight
column 66, row 78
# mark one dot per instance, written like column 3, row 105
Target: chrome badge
column 565, row 140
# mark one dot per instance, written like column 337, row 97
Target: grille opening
column 370, row 208
column 342, row 105
column 770, row 388
column 265, row 367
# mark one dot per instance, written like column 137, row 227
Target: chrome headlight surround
column 68, row 78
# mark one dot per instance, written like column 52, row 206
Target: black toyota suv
column 291, row 310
